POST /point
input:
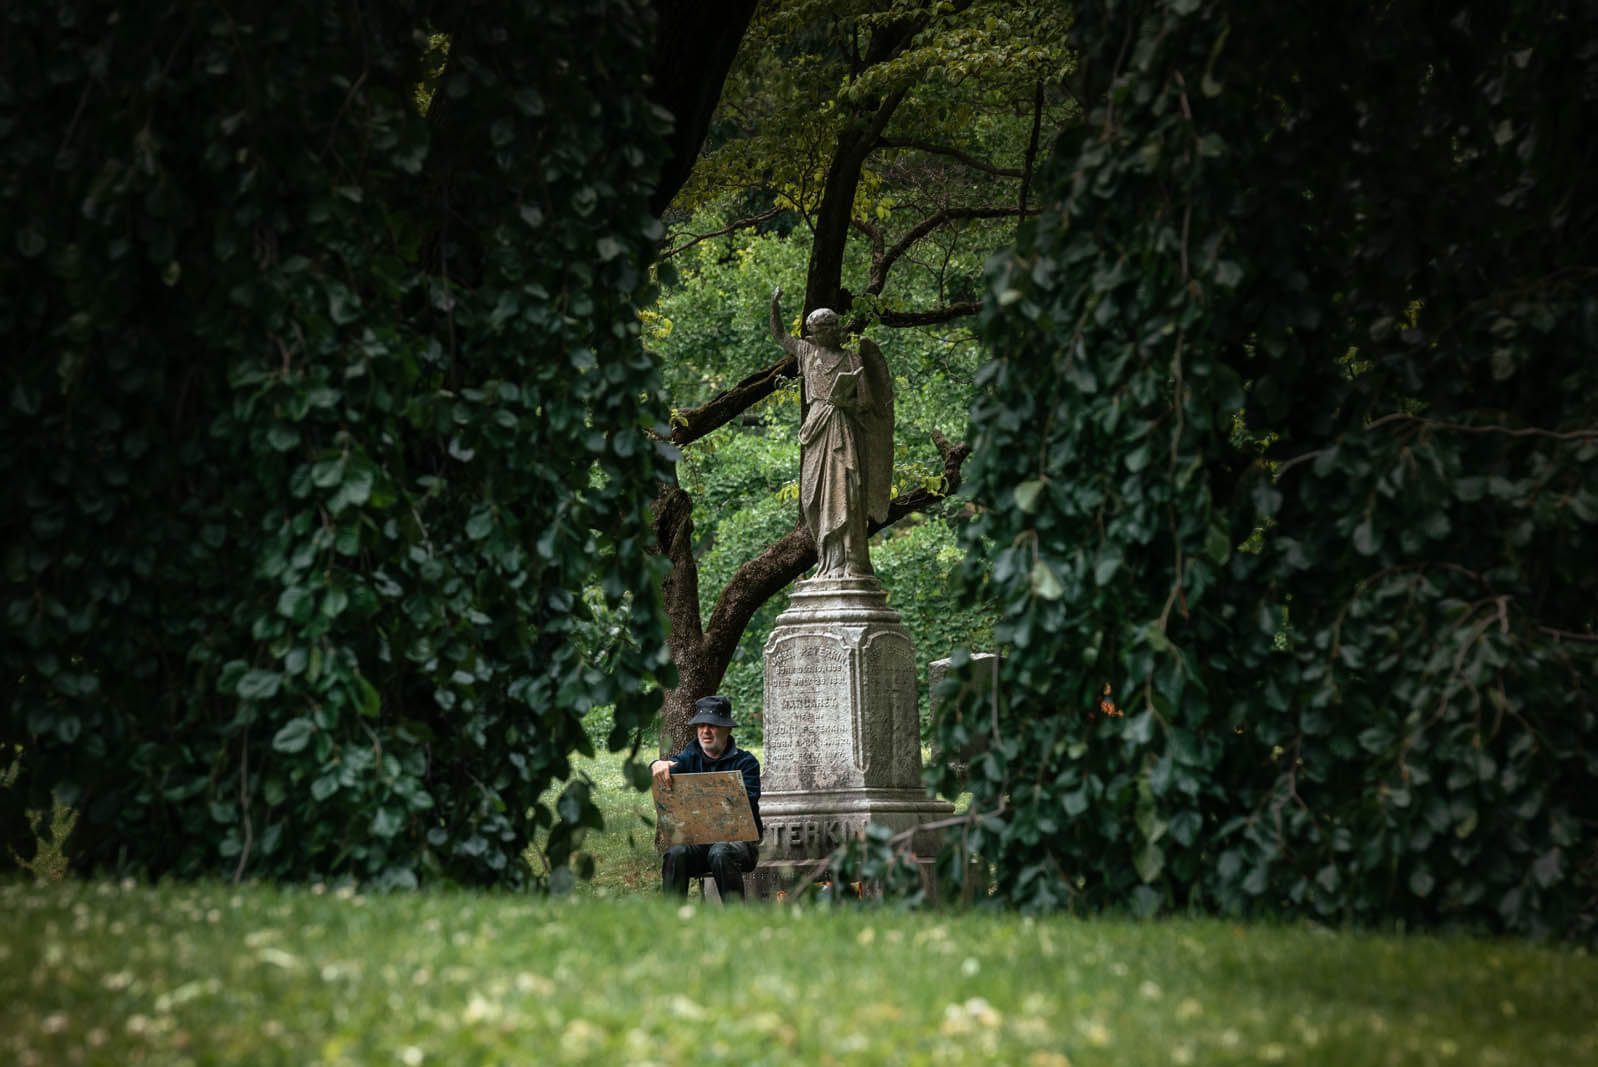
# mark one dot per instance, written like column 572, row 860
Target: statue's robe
column 846, row 453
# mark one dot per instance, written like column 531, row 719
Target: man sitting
column 712, row 749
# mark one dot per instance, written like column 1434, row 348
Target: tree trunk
column 695, row 44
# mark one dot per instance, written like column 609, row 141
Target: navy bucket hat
column 714, row 711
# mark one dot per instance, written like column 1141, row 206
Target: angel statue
column 846, row 442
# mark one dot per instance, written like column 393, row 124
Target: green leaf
column 1110, row 560
column 481, row 524
column 1149, row 860
column 297, row 602
column 259, row 685
column 1548, row 868
column 1026, row 495
column 228, row 680
column 328, row 472
column 1366, row 539
column 368, row 701
column 334, row 601
column 294, row 736
column 529, row 102
column 357, row 486
column 1217, row 545
column 1045, row 583
column 283, row 437
column 386, row 822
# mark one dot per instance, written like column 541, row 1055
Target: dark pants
column 726, row 861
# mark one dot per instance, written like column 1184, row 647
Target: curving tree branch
column 690, row 424
column 741, row 224
column 950, row 151
column 930, row 317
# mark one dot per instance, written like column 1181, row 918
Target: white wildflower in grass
column 866, row 936
column 684, row 1008
column 479, row 1010
column 1094, row 1032
column 579, row 1037
column 1188, row 1010
column 955, row 1021
column 1049, row 1058
column 970, row 966
column 411, row 1056
column 1150, row 990
column 534, row 984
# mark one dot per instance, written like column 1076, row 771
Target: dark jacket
column 692, row 760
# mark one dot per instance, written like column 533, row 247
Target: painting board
column 702, row 809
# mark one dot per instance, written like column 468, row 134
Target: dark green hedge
column 319, row 413
column 1292, row 437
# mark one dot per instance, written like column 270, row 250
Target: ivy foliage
column 320, row 413
column 1351, row 630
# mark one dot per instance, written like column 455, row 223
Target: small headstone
column 984, row 683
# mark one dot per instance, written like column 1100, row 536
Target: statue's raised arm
column 779, row 332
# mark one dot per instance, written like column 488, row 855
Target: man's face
column 713, row 739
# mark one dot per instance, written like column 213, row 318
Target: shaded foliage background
column 710, row 328
column 1354, row 630
column 318, row 414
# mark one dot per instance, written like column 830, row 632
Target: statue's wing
column 878, row 426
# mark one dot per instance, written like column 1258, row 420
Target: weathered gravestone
column 842, row 734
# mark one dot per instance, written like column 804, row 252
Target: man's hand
column 661, row 769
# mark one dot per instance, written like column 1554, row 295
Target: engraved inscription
column 813, row 836
column 809, row 744
column 893, row 734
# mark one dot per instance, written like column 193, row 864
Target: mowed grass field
column 121, row 973
column 109, row 973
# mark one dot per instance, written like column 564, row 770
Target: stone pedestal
column 842, row 736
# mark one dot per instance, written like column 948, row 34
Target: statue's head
column 822, row 326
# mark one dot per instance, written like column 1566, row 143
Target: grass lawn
column 117, row 974
column 107, row 973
